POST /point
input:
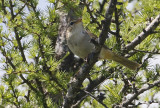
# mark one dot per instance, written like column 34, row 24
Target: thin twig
column 20, row 10
column 117, row 29
column 140, row 91
column 146, row 51
column 102, row 6
column 95, row 98
column 16, row 34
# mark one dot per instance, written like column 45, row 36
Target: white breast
column 79, row 43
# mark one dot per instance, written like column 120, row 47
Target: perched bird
column 78, row 41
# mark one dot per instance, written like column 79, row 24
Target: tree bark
column 61, row 47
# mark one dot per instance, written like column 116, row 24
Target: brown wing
column 92, row 36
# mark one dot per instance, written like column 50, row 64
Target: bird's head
column 75, row 25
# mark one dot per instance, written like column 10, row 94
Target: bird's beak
column 79, row 20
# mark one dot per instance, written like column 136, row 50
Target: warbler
column 78, row 41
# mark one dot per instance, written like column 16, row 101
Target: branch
column 20, row 10
column 127, row 84
column 140, row 91
column 117, row 29
column 107, row 22
column 145, row 33
column 3, row 7
column 94, row 20
column 21, row 72
column 102, row 5
column 95, row 98
column 15, row 94
column 20, row 45
column 16, row 33
column 27, row 96
column 28, row 83
column 11, row 8
column 39, row 86
column 150, row 52
column 93, row 84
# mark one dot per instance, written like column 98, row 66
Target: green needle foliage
column 28, row 39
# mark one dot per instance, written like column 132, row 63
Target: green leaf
column 114, row 94
column 51, row 1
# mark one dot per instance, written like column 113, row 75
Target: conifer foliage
column 41, row 72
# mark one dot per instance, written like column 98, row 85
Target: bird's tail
column 108, row 54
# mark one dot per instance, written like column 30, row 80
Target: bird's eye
column 71, row 23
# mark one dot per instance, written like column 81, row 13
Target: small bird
column 78, row 41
